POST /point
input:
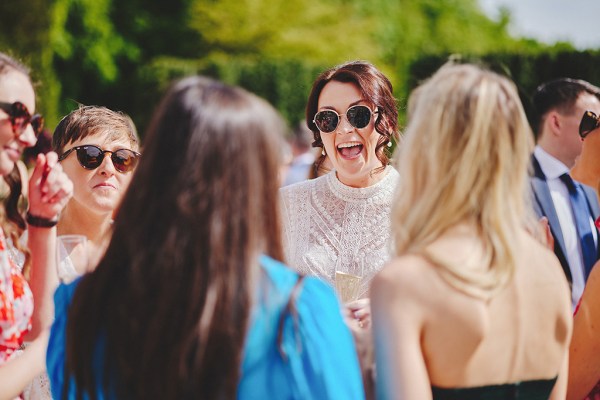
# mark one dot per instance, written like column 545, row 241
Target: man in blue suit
column 571, row 208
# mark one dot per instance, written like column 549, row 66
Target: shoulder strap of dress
column 290, row 308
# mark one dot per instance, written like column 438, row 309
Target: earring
column 323, row 152
column 389, row 143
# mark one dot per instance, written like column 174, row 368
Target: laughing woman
column 340, row 221
column 49, row 190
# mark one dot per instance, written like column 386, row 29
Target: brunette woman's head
column 377, row 93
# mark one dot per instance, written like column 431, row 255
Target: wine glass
column 71, row 257
column 348, row 280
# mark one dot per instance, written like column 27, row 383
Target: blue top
column 321, row 358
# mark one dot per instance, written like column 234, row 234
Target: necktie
column 582, row 221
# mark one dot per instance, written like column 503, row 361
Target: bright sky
column 575, row 21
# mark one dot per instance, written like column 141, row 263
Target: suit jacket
column 543, row 206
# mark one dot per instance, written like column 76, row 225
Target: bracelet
column 40, row 222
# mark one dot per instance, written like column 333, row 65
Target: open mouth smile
column 350, row 150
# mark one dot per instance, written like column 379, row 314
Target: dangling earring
column 323, row 152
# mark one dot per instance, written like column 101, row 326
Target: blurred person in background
column 584, row 365
column 584, row 362
column 303, row 155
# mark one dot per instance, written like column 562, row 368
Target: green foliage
column 411, row 29
column 284, row 83
column 527, row 71
column 308, row 30
column 83, row 31
column 123, row 54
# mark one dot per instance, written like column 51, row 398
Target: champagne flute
column 71, row 257
column 347, row 283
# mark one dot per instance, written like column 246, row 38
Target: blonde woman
column 472, row 306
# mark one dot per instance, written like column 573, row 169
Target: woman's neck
column 96, row 227
column 373, row 177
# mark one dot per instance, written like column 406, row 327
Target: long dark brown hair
column 376, row 89
column 170, row 301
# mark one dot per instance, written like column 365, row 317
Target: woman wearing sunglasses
column 189, row 301
column 472, row 306
column 587, row 166
column 584, row 368
column 340, row 221
column 98, row 150
column 49, row 190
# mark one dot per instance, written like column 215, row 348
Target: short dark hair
column 559, row 94
column 90, row 120
column 375, row 88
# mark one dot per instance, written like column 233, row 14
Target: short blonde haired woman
column 472, row 304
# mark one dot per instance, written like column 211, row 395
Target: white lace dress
column 330, row 227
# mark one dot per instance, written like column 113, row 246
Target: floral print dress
column 16, row 304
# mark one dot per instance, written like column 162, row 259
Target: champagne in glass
column 71, row 257
column 348, row 280
column 347, row 286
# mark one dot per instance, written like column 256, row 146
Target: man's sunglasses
column 91, row 157
column 19, row 118
column 589, row 122
column 358, row 116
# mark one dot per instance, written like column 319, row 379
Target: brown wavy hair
column 171, row 299
column 376, row 90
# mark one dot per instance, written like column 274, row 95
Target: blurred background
column 123, row 53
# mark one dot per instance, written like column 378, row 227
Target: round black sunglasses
column 358, row 116
column 91, row 157
column 588, row 123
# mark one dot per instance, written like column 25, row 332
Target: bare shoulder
column 592, row 286
column 541, row 262
column 594, row 277
column 408, row 276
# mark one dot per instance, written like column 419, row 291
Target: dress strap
column 290, row 308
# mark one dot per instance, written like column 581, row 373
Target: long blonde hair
column 464, row 159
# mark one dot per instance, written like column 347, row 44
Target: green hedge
column 284, row 83
column 526, row 70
